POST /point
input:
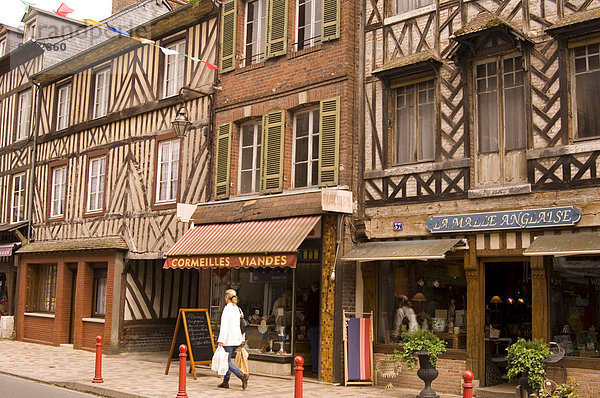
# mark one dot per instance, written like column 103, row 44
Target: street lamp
column 182, row 124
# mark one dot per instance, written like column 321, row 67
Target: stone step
column 500, row 391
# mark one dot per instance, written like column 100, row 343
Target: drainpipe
column 32, row 178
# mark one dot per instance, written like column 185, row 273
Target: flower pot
column 428, row 373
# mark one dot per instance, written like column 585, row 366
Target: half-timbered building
column 478, row 212
column 284, row 155
column 110, row 171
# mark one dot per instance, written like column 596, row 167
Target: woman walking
column 230, row 336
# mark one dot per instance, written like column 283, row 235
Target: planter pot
column 524, row 383
column 428, row 373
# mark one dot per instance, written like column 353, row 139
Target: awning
column 270, row 243
column 434, row 249
column 6, row 249
column 564, row 245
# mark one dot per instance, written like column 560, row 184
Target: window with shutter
column 330, row 28
column 272, row 151
column 228, row 32
column 329, row 141
column 277, row 11
column 223, row 161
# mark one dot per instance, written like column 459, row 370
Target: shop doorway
column 507, row 313
column 73, row 269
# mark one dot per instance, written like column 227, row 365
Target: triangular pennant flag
column 27, row 5
column 144, row 41
column 91, row 22
column 193, row 58
column 210, row 66
column 121, row 32
column 63, row 10
column 167, row 51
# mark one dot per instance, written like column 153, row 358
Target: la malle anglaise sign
column 512, row 219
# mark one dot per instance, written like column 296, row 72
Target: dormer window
column 2, row 47
column 30, row 31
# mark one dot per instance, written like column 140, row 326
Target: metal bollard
column 468, row 377
column 98, row 371
column 299, row 369
column 182, row 358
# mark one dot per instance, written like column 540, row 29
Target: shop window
column 254, row 45
column 168, row 171
column 101, row 92
column 586, row 67
column 41, row 288
column 306, row 148
column 174, row 68
column 575, row 304
column 17, row 213
column 402, row 6
column 428, row 295
column 99, row 294
column 414, row 136
column 23, row 115
column 59, row 188
column 250, row 146
column 309, row 23
column 96, row 177
column 63, row 107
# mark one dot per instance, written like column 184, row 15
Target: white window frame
column 250, row 59
column 172, row 86
column 18, row 198
column 3, row 47
column 24, row 115
column 172, row 171
column 413, row 6
column 63, row 107
column 311, row 137
column 59, row 190
column 101, row 93
column 96, row 184
column 314, row 24
column 256, row 159
column 31, row 31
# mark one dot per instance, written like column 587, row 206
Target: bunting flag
column 168, row 51
column 63, row 10
column 27, row 5
column 121, row 32
column 91, row 21
column 144, row 41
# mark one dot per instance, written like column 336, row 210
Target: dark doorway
column 507, row 313
column 73, row 269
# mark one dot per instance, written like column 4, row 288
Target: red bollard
column 98, row 372
column 299, row 372
column 468, row 377
column 182, row 358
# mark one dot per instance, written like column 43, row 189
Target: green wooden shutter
column 329, row 141
column 228, row 33
column 330, row 28
column 277, row 12
column 273, row 136
column 223, row 161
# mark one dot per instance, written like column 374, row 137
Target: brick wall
column 147, row 337
column 38, row 330
column 588, row 379
column 448, row 381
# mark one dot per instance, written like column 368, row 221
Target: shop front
column 502, row 276
column 275, row 266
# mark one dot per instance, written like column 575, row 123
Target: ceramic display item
column 438, row 324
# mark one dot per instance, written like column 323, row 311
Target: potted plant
column 427, row 346
column 525, row 360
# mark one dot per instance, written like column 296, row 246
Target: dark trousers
column 313, row 337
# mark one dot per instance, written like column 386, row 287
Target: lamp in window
column 419, row 297
column 496, row 300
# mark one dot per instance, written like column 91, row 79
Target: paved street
column 138, row 375
column 15, row 387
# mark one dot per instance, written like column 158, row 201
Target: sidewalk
column 139, row 375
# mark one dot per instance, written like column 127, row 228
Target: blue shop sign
column 515, row 219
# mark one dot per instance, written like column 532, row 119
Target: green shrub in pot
column 421, row 340
column 526, row 358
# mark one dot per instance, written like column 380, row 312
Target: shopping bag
column 220, row 361
column 241, row 360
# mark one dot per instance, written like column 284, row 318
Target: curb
column 96, row 389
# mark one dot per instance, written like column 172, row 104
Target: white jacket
column 230, row 333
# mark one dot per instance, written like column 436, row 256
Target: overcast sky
column 13, row 10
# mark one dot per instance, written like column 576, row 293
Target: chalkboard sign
column 193, row 329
